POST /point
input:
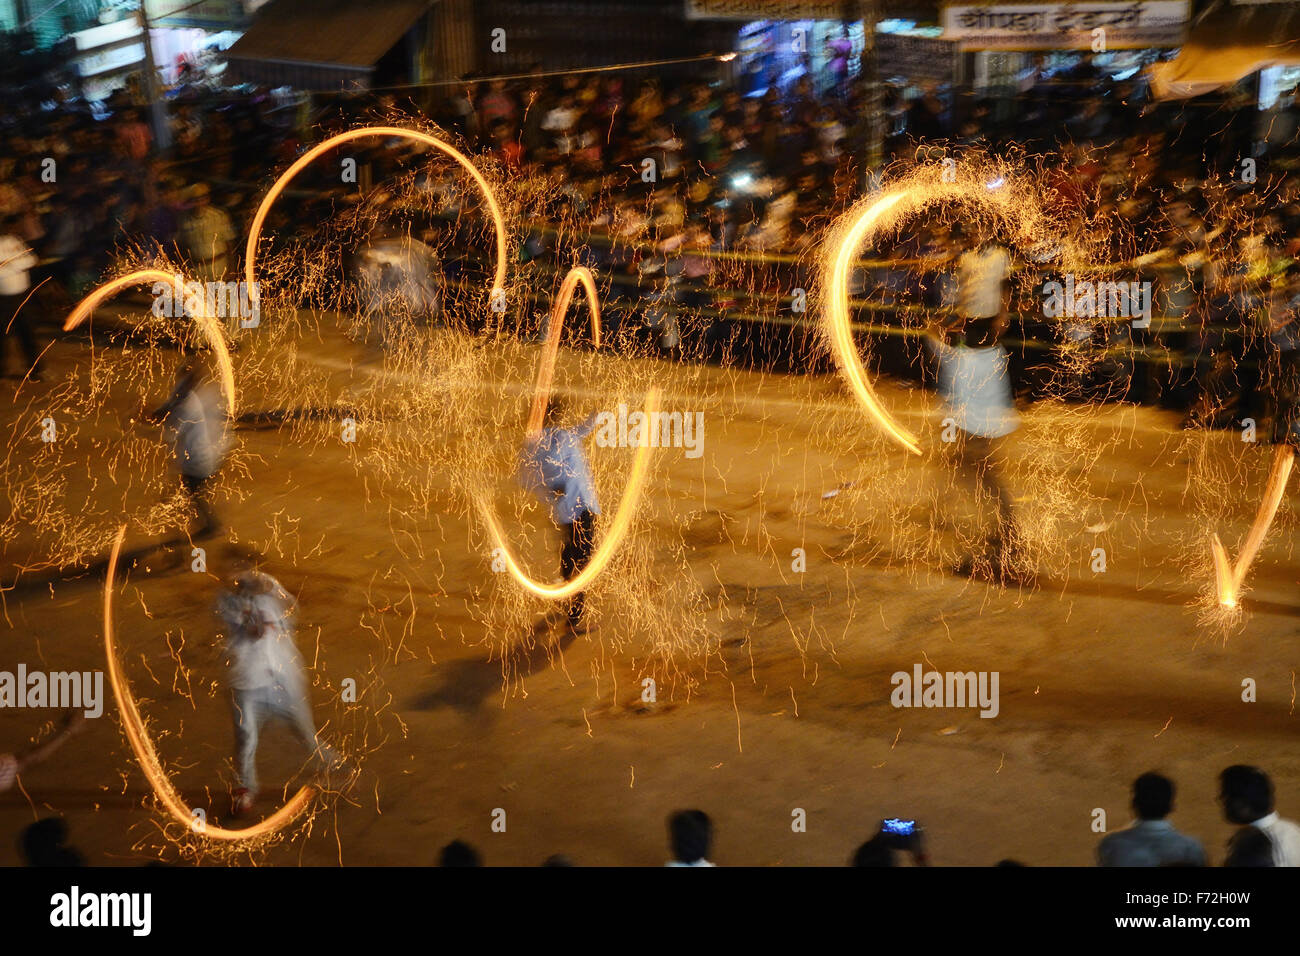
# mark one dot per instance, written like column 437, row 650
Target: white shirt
column 554, row 467
column 259, row 648
column 1285, row 837
column 198, row 430
column 976, row 385
column 15, row 261
column 982, row 273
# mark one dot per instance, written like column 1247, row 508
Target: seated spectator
column 1151, row 840
column 459, row 853
column 1264, row 839
column 875, row 852
column 44, row 843
column 690, row 836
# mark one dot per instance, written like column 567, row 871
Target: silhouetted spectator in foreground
column 690, row 837
column 1265, row 839
column 874, row 852
column 1151, row 840
column 44, row 843
column 459, row 853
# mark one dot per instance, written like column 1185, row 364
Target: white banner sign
column 1067, row 26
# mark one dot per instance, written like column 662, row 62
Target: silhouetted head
column 43, row 844
column 459, row 853
column 875, row 852
column 690, row 835
column 1153, row 796
column 1245, row 793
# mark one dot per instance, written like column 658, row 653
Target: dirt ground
column 1102, row 676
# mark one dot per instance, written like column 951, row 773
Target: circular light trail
column 147, row 755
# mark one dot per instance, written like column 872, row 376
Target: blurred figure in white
column 265, row 675
column 980, row 411
column 17, row 305
column 196, row 422
column 398, row 284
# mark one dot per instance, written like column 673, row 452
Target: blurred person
column 459, row 853
column 1151, row 840
column 554, row 467
column 206, row 235
column 264, row 674
column 690, row 838
column 45, row 843
column 975, row 381
column 838, row 51
column 134, row 135
column 497, row 105
column 13, row 765
column 16, row 302
column 888, row 841
column 874, row 852
column 196, row 422
column 1263, row 837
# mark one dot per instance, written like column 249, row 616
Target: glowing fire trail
column 1228, row 576
column 546, row 369
column 498, row 221
column 541, row 395
column 147, row 756
column 207, row 324
column 837, row 323
column 613, row 536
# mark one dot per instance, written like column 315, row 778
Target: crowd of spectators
column 1262, row 837
column 697, row 198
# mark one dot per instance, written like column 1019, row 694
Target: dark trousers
column 579, row 542
column 15, row 321
column 196, row 488
column 978, row 460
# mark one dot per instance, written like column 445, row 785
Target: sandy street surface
column 1102, row 675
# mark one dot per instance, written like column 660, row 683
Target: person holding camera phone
column 894, row 836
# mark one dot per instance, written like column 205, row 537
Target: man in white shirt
column 1265, row 839
column 265, row 674
column 979, row 412
column 554, row 467
column 194, row 417
column 1152, row 839
column 975, row 382
column 16, row 307
column 982, row 274
column 690, row 835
